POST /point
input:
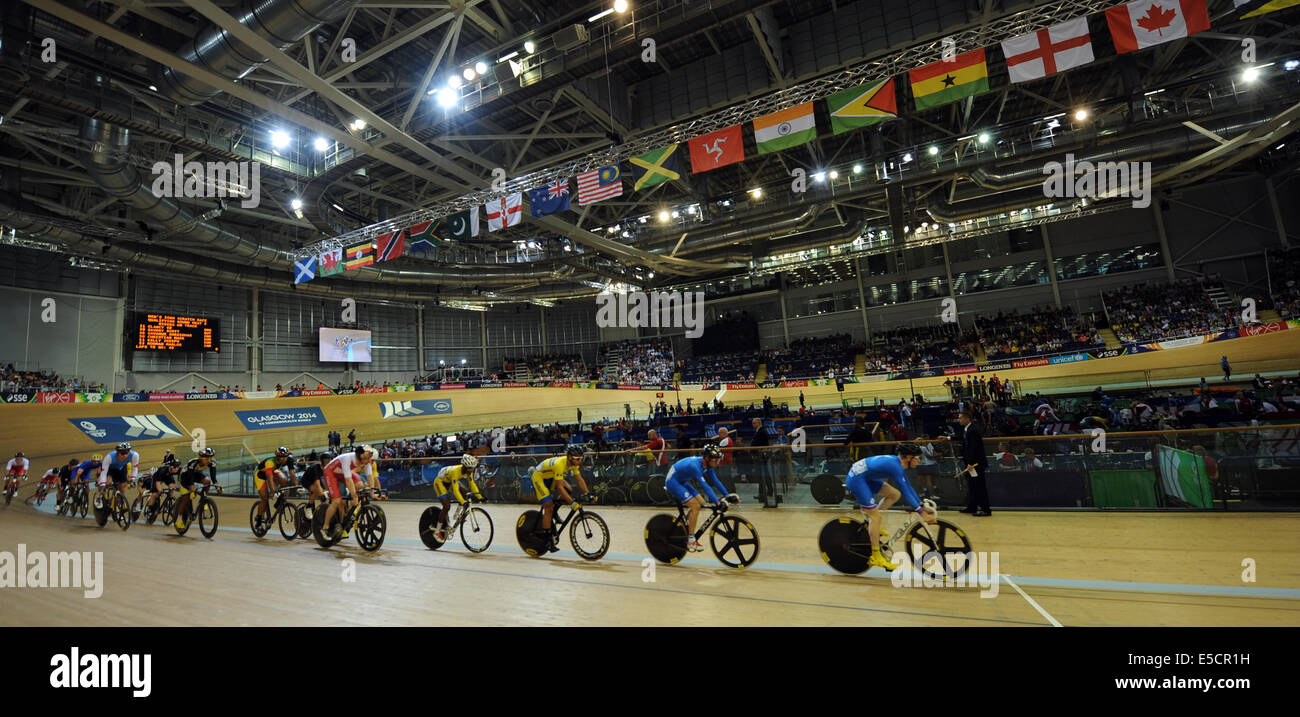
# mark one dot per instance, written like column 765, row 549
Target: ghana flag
column 942, row 82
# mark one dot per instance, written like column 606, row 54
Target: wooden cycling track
column 1064, row 568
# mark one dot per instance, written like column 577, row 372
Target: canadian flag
column 1145, row 23
column 506, row 211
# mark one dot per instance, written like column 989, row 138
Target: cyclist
column 312, row 480
column 274, row 473
column 50, row 478
column 17, row 468
column 65, row 475
column 697, row 468
column 867, row 478
column 85, row 471
column 194, row 473
column 450, row 477
column 121, row 466
column 370, row 478
column 164, row 476
column 550, row 475
column 343, row 474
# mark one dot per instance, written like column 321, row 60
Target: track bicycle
column 205, row 511
column 281, row 511
column 474, row 524
column 368, row 519
column 939, row 551
column 588, row 532
column 733, row 539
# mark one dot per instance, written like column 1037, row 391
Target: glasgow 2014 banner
column 288, row 418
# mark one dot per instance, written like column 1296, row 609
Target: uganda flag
column 942, row 82
column 655, row 167
column 862, row 106
column 359, row 255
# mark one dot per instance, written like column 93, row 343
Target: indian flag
column 942, row 82
column 785, row 129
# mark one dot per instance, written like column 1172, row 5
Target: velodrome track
column 47, row 436
column 1055, row 569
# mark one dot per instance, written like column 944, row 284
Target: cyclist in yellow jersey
column 272, row 474
column 448, row 483
column 548, row 477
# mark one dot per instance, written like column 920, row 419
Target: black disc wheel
column 526, row 533
column 827, row 489
column 476, row 530
column 665, row 538
column 304, row 514
column 656, row 490
column 940, row 551
column 844, row 546
column 589, row 535
column 734, row 541
column 429, row 527
column 637, row 493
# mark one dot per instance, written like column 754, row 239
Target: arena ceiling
column 139, row 81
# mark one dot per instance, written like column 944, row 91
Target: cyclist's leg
column 888, row 495
column 444, row 497
column 542, row 490
column 263, row 493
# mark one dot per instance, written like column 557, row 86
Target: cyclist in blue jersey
column 121, row 466
column 867, row 479
column 700, row 469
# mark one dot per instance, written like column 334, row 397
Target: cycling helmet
column 908, row 448
column 123, row 447
column 207, row 453
column 19, row 454
column 171, row 460
column 469, row 461
column 282, row 452
column 711, row 451
column 575, row 450
column 97, row 458
column 364, row 450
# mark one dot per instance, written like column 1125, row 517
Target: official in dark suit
column 972, row 453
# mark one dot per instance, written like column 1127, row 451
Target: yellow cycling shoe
column 180, row 524
column 878, row 561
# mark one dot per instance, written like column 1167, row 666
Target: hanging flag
column 423, row 236
column 463, row 225
column 549, row 199
column 717, row 149
column 655, row 167
column 391, row 245
column 947, row 81
column 600, row 184
column 505, row 211
column 1255, row 8
column 359, row 255
column 785, row 129
column 862, row 106
column 1145, row 23
column 331, row 261
column 304, row 269
column 1048, row 51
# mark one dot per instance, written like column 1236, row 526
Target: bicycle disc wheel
column 259, row 525
column 665, row 538
column 739, row 541
column 827, row 489
column 589, row 536
column 840, row 546
column 208, row 518
column 637, row 493
column 614, row 496
column 525, row 533
column 371, row 528
column 476, row 530
column 101, row 515
column 939, row 551
column 289, row 521
column 303, row 518
column 318, row 528
column 656, row 490
column 429, row 527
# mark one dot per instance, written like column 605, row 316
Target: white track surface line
column 1031, row 601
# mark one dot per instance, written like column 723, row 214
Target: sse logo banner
column 114, row 429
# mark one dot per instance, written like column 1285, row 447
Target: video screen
column 339, row 345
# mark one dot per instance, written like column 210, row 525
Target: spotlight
column 834, row 174
column 857, row 169
column 1251, row 74
column 530, row 47
column 1288, row 66
column 756, row 192
column 462, row 362
column 279, row 139
column 907, row 157
column 296, row 204
column 1080, row 115
column 819, row 177
column 455, row 82
column 358, row 124
column 933, row 150
column 321, row 144
column 480, row 67
column 469, row 74
column 155, row 88
column 620, row 6
column 509, row 57
column 447, row 97
column 984, row 138
column 676, row 214
column 663, row 215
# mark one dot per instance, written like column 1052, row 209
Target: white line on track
column 1031, row 601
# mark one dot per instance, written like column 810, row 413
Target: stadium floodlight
column 1288, row 66
column 819, row 177
column 1250, row 74
column 933, row 150
column 509, row 57
column 530, row 47
column 455, row 82
column 469, row 74
column 663, row 215
column 756, row 192
column 857, row 168
column 321, row 144
column 983, row 138
column 620, row 6
column 462, row 362
column 296, row 203
column 447, row 97
column 358, row 124
column 600, row 14
column 907, row 157
column 1080, row 115
column 834, row 174
column 480, row 67
column 279, row 139
column 155, row 87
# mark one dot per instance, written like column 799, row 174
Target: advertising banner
column 447, row 386
column 1178, row 343
column 949, row 371
column 769, row 384
column 344, row 391
column 602, row 384
column 692, row 387
column 371, row 389
column 742, row 385
column 490, row 384
column 999, row 366
column 878, row 377
column 563, row 384
column 427, row 387
column 1070, row 358
column 115, row 429
column 200, row 396
column 45, row 397
column 1026, row 363
column 261, row 394
column 406, row 409
column 400, row 388
column 261, row 420
column 19, row 397
column 92, row 398
column 629, row 387
column 1108, row 353
column 1269, row 328
column 1226, row 335
column 133, row 397
column 794, row 384
column 515, row 384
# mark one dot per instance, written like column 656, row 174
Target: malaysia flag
column 598, row 185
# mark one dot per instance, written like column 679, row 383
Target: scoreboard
column 168, row 332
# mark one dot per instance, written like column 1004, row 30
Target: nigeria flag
column 1184, row 478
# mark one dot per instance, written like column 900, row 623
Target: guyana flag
column 655, row 167
column 862, row 106
column 942, row 82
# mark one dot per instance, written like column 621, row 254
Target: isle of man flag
column 785, row 129
column 862, row 106
column 1145, row 23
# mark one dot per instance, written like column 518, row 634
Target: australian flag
column 549, row 199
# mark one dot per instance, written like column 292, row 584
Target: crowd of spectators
column 827, row 357
column 549, row 367
column 1155, row 312
column 645, row 361
column 14, row 380
column 1284, row 275
column 737, row 366
column 1043, row 330
column 915, row 347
